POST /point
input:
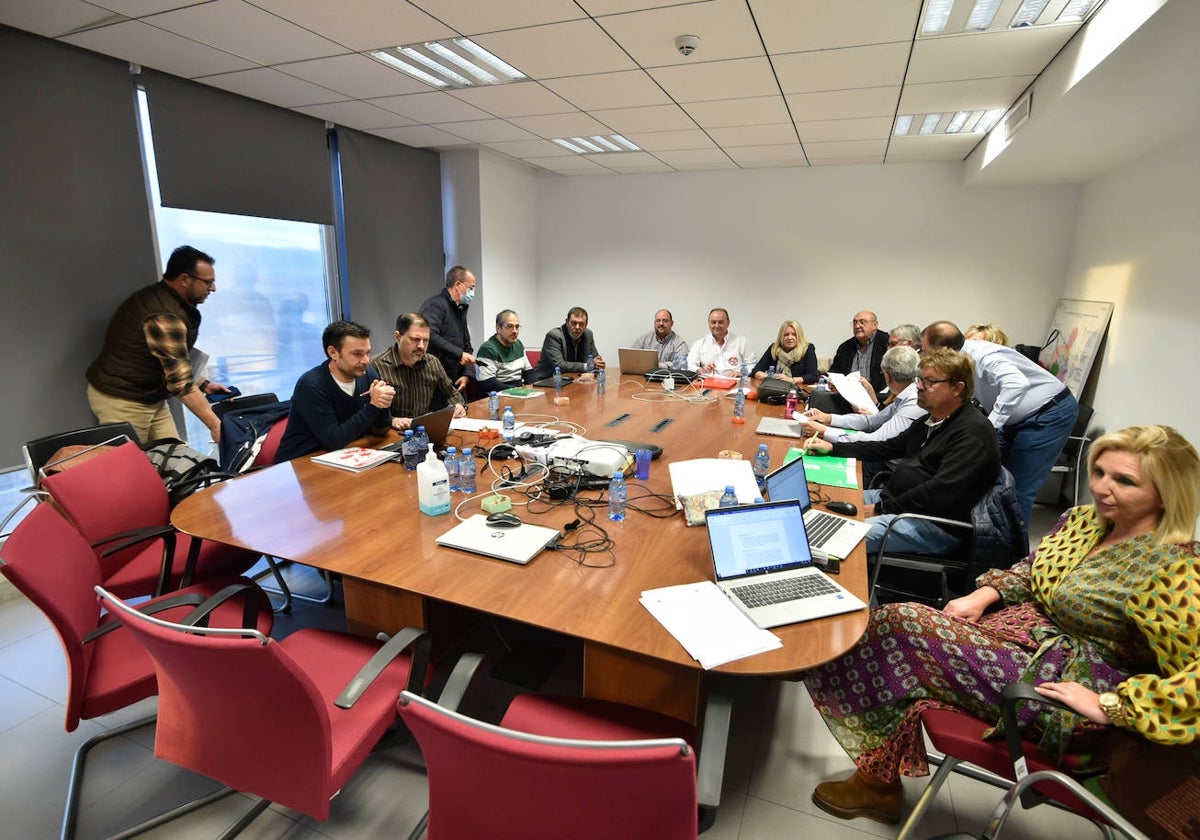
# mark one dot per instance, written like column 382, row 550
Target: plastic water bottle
column 616, row 497
column 433, row 485
column 771, row 372
column 823, row 383
column 600, row 381
column 509, row 425
column 452, row 468
column 678, row 362
column 466, row 471
column 494, row 405
column 557, row 380
column 590, row 364
column 422, row 441
column 762, row 465
column 744, row 379
column 409, row 454
column 789, row 407
column 728, row 498
column 739, row 406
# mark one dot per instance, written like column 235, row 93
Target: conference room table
column 367, row 527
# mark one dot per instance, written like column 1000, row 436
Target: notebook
column 762, row 562
column 637, row 361
column 829, row 535
column 780, row 427
column 516, row 545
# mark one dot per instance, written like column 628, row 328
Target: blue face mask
column 468, row 296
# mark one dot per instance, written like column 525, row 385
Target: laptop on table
column 516, row 545
column 780, row 427
column 829, row 535
column 637, row 362
column 437, row 426
column 762, row 562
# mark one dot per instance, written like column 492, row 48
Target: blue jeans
column 1029, row 449
column 909, row 536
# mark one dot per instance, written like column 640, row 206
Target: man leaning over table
column 416, row 374
column 340, row 399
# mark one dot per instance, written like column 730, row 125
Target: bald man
column 862, row 352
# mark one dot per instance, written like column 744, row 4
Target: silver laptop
column 829, row 535
column 636, row 361
column 516, row 545
column 780, row 427
column 762, row 561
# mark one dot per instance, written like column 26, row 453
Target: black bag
column 774, row 391
column 183, row 470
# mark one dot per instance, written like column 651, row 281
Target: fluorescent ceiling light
column 903, row 124
column 930, row 123
column 936, row 15
column 617, row 138
column 989, row 119
column 568, row 145
column 962, row 122
column 1076, row 10
column 456, row 63
column 957, row 121
column 1028, row 14
column 982, row 14
column 597, row 144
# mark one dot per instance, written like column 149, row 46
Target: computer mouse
column 845, row 508
column 503, row 519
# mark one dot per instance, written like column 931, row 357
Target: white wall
column 909, row 241
column 1137, row 243
column 508, row 197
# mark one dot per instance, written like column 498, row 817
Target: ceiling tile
column 662, row 141
column 842, row 69
column 970, row 95
column 272, row 86
column 939, row 147
column 630, row 162
column 53, row 19
column 824, row 131
column 354, row 75
column 735, row 79
column 571, row 163
column 846, row 152
column 785, row 155
column 143, row 44
column 758, row 110
column 595, row 8
column 844, row 105
column 654, row 118
column 361, row 25
column 984, row 55
column 431, row 107
column 724, row 27
column 247, row 31
column 419, row 136
column 471, row 17
column 626, row 89
column 575, row 48
column 486, row 131
column 561, row 125
column 529, row 148
column 356, row 114
column 138, row 8
column 697, row 159
column 795, row 25
column 754, row 135
column 517, row 99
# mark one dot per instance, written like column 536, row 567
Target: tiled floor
column 779, row 749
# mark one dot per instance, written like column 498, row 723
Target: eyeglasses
column 512, row 326
column 207, row 281
column 929, row 381
column 862, row 321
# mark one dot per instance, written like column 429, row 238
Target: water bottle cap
column 408, row 433
column 466, row 450
column 728, row 488
column 492, row 394
column 450, row 449
column 762, row 447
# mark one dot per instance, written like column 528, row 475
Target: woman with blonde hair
column 987, row 332
column 1104, row 616
column 792, row 356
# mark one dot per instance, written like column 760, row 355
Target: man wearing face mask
column 449, row 337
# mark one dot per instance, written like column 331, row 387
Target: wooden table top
column 367, row 525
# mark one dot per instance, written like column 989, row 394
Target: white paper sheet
column 707, row 624
column 701, row 475
column 850, row 387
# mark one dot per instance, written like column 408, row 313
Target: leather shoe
column 861, row 796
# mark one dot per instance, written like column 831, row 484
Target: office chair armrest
column 460, row 678
column 131, row 538
column 415, row 637
column 184, row 600
column 1024, row 786
column 193, row 484
column 255, row 604
column 879, row 479
column 1011, row 698
column 710, row 770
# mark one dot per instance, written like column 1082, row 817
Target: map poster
column 1074, row 340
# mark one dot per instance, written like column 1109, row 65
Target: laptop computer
column 829, row 535
column 762, row 562
column 437, row 425
column 516, row 545
column 638, row 362
column 780, row 427
column 548, row 382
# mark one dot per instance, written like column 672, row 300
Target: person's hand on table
column 818, row 446
column 598, row 363
column 381, row 394
column 459, row 410
column 400, row 424
column 819, row 416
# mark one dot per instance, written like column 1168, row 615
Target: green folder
column 826, row 469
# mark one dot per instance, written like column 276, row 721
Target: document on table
column 703, row 619
column 701, row 475
column 850, row 387
column 471, row 424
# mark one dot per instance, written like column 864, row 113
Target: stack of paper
column 354, row 459
column 707, row 624
column 703, row 474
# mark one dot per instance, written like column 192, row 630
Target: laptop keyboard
column 821, row 526
column 777, row 591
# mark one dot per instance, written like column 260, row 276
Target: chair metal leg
column 284, row 590
column 419, row 829
column 289, row 596
column 164, row 818
column 71, row 809
column 927, row 797
column 245, row 819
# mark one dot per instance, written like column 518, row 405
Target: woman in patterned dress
column 1108, row 604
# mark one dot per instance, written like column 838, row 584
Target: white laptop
column 829, row 535
column 639, row 362
column 516, row 545
column 780, row 427
column 762, row 562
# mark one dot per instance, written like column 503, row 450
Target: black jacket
column 449, row 337
column 843, row 359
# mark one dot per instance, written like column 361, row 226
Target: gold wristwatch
column 1110, row 702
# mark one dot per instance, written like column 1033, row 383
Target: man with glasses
column 147, row 352
column 948, row 461
column 862, row 352
column 449, row 336
column 502, row 360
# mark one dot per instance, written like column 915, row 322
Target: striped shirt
column 416, row 384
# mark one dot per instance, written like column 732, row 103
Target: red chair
column 107, row 669
column 118, row 503
column 534, row 356
column 287, row 721
column 566, row 767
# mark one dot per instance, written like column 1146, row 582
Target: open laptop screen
column 789, row 482
column 757, row 539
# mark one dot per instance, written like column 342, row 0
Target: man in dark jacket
column 949, row 460
column 862, row 352
column 449, row 336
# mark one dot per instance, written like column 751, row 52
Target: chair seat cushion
column 591, row 720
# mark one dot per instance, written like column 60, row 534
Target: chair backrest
column 235, row 706
column 243, row 427
column 270, row 445
column 486, row 781
column 534, row 356
column 55, row 568
column 39, row 452
column 116, row 492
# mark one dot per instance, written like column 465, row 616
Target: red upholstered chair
column 48, row 561
column 287, row 721
column 566, row 767
column 534, row 356
column 119, row 494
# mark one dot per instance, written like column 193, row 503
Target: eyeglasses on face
column 929, row 381
column 207, row 281
column 511, row 326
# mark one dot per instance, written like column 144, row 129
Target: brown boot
column 861, row 796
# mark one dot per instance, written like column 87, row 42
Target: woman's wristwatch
column 1114, row 709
